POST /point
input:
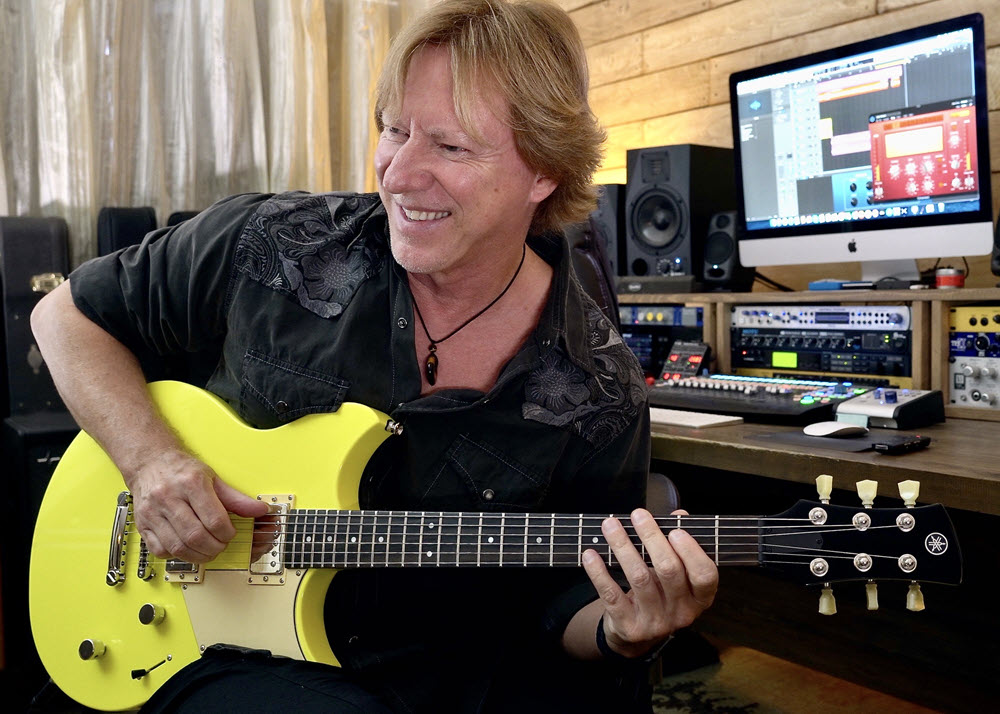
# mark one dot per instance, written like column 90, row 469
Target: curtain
column 175, row 104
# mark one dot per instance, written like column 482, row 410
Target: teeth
column 425, row 215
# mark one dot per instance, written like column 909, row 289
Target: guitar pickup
column 183, row 571
column 268, row 540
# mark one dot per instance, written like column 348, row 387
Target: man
column 446, row 301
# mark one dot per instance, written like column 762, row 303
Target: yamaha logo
column 936, row 544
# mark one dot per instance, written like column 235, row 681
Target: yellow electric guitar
column 112, row 623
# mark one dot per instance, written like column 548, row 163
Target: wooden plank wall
column 660, row 69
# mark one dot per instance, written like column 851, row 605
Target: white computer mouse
column 835, row 429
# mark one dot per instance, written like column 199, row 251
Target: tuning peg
column 871, row 590
column 909, row 491
column 824, row 486
column 867, row 490
column 914, row 598
column 827, row 603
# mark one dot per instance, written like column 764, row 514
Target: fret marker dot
column 490, row 539
column 308, row 539
column 381, row 539
column 354, row 539
column 329, row 538
column 595, row 539
column 538, row 539
column 430, row 525
column 429, row 553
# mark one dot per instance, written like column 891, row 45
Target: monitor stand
column 901, row 269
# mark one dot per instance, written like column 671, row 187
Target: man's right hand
column 182, row 508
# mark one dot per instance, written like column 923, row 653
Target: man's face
column 454, row 203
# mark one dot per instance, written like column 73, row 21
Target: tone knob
column 970, row 370
column 91, row 649
column 150, row 614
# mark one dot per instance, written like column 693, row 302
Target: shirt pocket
column 483, row 477
column 274, row 391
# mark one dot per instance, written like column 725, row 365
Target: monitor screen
column 873, row 152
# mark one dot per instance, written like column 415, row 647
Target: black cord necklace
column 431, row 364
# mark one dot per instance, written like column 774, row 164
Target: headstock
column 820, row 543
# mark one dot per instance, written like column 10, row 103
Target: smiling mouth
column 424, row 215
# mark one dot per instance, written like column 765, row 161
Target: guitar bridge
column 266, row 564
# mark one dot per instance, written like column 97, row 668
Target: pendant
column 431, row 365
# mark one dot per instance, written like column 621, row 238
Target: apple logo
column 852, row 246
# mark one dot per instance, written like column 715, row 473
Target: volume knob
column 91, row 649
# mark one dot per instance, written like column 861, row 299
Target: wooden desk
column 945, row 657
column 960, row 468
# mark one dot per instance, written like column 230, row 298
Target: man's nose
column 408, row 168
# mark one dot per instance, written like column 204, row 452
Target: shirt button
column 402, row 323
column 281, row 407
column 488, row 494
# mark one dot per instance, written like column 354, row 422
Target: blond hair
column 532, row 54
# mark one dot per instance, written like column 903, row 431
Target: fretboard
column 366, row 539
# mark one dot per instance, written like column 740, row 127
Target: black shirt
column 292, row 304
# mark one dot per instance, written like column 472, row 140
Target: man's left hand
column 662, row 598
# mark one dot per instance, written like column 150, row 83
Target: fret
column 566, row 540
column 379, row 550
column 489, row 546
column 468, row 535
column 448, row 539
column 591, row 534
column 431, row 530
column 326, row 546
column 338, row 540
column 440, row 528
column 610, row 560
column 538, row 543
column 352, row 545
column 313, row 536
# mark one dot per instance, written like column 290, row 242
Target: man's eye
column 452, row 149
column 394, row 131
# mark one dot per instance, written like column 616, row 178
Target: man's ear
column 542, row 189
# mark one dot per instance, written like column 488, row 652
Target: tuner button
column 867, row 490
column 150, row 614
column 827, row 603
column 909, row 491
column 91, row 649
column 914, row 598
column 824, row 486
column 871, row 591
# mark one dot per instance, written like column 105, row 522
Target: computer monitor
column 874, row 152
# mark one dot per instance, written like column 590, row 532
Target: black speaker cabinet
column 33, row 259
column 671, row 194
column 33, row 445
column 608, row 223
column 121, row 227
column 995, row 258
column 722, row 268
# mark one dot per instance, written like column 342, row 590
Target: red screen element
column 926, row 155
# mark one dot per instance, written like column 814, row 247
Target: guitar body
column 318, row 460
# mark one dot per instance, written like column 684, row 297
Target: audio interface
column 850, row 342
column 894, row 408
column 974, row 357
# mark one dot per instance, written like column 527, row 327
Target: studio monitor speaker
column 607, row 222
column 722, row 268
column 995, row 259
column 671, row 194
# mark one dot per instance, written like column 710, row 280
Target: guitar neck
column 360, row 539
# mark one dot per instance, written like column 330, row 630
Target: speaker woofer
column 659, row 221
